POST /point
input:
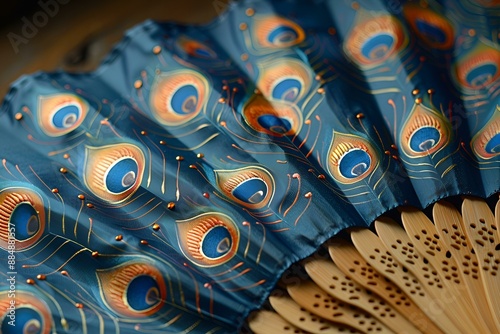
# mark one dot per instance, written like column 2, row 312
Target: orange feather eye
column 350, row 158
column 178, row 97
column 209, row 239
column 486, row 143
column 195, row 49
column 32, row 315
column 134, row 289
column 431, row 27
column 251, row 187
column 375, row 40
column 479, row 67
column 284, row 79
column 114, row 172
column 277, row 32
column 424, row 132
column 21, row 213
column 60, row 114
column 275, row 118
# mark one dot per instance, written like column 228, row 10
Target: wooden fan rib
column 425, row 263
column 378, row 256
column 428, row 244
column 312, row 298
column 298, row 316
column 265, row 322
column 339, row 285
column 352, row 263
column 441, row 302
column 483, row 233
column 497, row 215
column 450, row 227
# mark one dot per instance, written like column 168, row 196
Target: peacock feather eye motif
column 22, row 213
column 277, row 32
column 373, row 40
column 32, row 315
column 424, row 132
column 272, row 117
column 134, row 289
column 113, row 172
column 432, row 28
column 486, row 143
column 351, row 158
column 479, row 67
column 195, row 49
column 285, row 79
column 178, row 96
column 209, row 239
column 60, row 114
column 251, row 187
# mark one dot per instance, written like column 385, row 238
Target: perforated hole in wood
column 486, row 239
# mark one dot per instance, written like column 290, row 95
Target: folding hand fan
column 169, row 190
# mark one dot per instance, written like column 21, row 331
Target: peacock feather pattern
column 167, row 191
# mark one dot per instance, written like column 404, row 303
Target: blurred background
column 76, row 35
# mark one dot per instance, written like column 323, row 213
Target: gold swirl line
column 121, row 205
column 297, row 157
column 416, row 164
column 190, row 328
column 296, row 197
column 381, row 79
column 197, row 146
column 243, row 272
column 316, row 139
column 58, row 307
column 82, row 314
column 261, row 214
column 63, row 222
column 281, row 230
column 144, row 214
column 286, row 192
column 65, row 262
column 330, row 78
column 446, row 157
column 238, row 161
column 41, row 250
column 449, row 169
column 126, row 214
column 65, row 149
column 245, row 253
column 303, row 211
column 246, row 287
column 424, row 178
column 243, row 138
column 273, row 222
column 262, row 244
column 309, row 97
column 90, row 229
column 313, row 109
column 413, row 73
column 150, row 160
column 169, row 280
column 4, row 163
column 164, row 169
column 93, row 307
column 305, row 138
column 382, row 176
column 77, row 217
